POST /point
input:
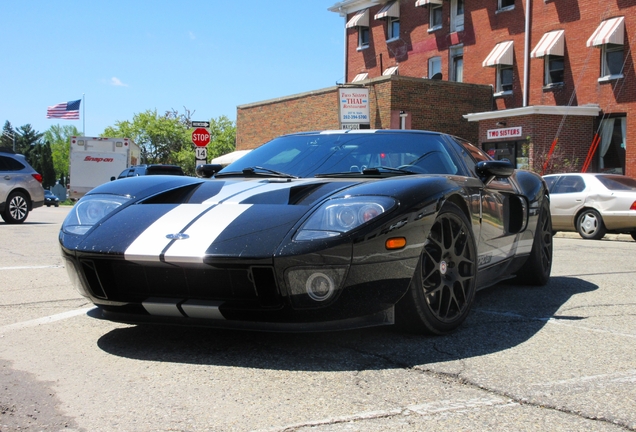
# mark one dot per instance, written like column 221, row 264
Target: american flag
column 66, row 110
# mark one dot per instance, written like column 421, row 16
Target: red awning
column 611, row 31
column 552, row 43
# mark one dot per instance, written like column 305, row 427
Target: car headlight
column 341, row 215
column 89, row 210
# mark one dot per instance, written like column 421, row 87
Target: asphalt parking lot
column 558, row 358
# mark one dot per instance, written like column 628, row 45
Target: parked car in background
column 311, row 232
column 593, row 204
column 152, row 169
column 20, row 187
column 50, row 199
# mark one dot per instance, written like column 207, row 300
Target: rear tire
column 17, row 208
column 443, row 286
column 536, row 270
column 590, row 225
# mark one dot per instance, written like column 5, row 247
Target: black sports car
column 314, row 231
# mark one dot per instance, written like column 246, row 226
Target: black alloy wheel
column 443, row 288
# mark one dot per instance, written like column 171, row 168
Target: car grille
column 129, row 282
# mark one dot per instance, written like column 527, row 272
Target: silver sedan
column 593, row 204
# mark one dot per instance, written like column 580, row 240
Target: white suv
column 20, row 188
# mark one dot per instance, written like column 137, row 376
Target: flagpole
column 83, row 115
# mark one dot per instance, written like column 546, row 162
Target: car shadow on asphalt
column 502, row 317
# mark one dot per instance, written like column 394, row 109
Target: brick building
column 423, row 104
column 561, row 71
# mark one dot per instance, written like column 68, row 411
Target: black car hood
column 219, row 218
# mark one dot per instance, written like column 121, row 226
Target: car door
column 498, row 197
column 567, row 197
column 9, row 176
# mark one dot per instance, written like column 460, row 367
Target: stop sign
column 200, row 137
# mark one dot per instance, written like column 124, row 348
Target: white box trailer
column 94, row 160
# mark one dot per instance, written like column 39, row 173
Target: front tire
column 443, row 287
column 590, row 225
column 17, row 208
column 536, row 270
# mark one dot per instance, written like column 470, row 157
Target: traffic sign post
column 201, row 154
column 201, row 137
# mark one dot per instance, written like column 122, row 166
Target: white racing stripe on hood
column 202, row 233
column 237, row 192
column 150, row 244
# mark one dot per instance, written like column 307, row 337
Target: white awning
column 391, row 9
column 427, row 2
column 360, row 77
column 393, row 70
column 611, row 31
column 502, row 54
column 360, row 19
column 227, row 159
column 552, row 43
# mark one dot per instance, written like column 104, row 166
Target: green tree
column 59, row 137
column 222, row 137
column 26, row 139
column 160, row 137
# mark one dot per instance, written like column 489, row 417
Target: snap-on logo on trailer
column 94, row 159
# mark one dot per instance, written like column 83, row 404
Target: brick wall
column 430, row 105
column 484, row 27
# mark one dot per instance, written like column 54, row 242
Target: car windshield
column 347, row 154
column 617, row 183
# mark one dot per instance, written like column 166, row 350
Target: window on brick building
column 391, row 13
column 457, row 63
column 502, row 58
column 457, row 15
column 611, row 150
column 505, row 4
column 434, row 66
column 609, row 36
column 393, row 28
column 612, row 61
column 504, row 78
column 552, row 48
column 363, row 37
column 435, row 17
column 554, row 69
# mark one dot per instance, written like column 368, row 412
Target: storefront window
column 514, row 151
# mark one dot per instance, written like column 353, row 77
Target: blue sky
column 129, row 56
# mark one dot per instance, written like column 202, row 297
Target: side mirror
column 488, row 170
column 112, row 178
column 208, row 170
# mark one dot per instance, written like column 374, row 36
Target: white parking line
column 45, row 320
column 557, row 321
column 427, row 409
column 31, row 267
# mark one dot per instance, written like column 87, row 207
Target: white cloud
column 192, row 35
column 117, row 82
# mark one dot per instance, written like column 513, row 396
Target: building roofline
column 585, row 110
column 349, row 6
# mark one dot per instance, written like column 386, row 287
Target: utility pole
column 10, row 135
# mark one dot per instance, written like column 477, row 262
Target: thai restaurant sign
column 511, row 132
column 353, row 103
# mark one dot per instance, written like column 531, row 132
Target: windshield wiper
column 381, row 169
column 262, row 171
column 368, row 171
column 255, row 171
